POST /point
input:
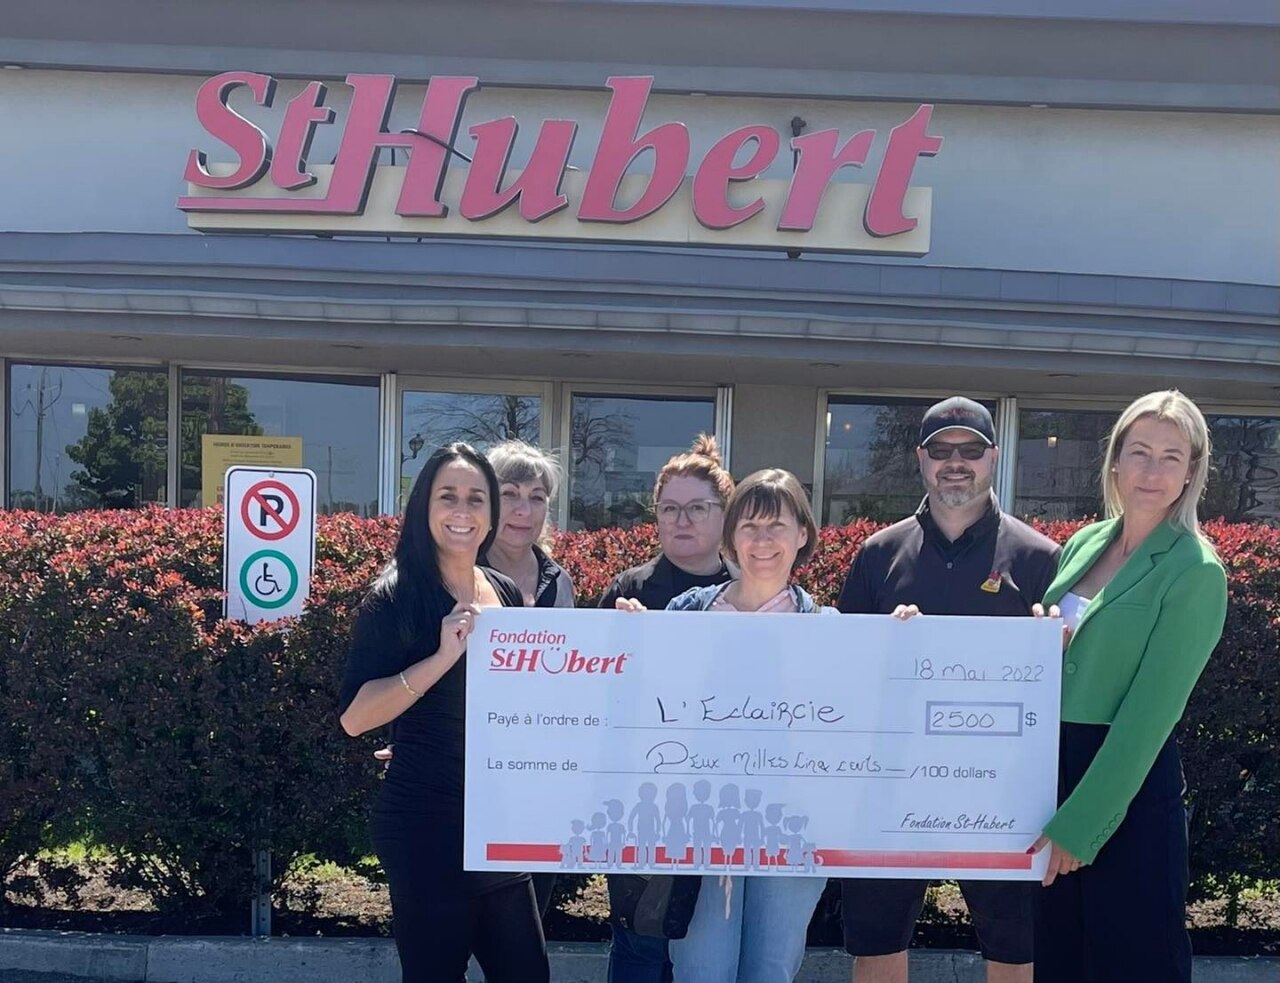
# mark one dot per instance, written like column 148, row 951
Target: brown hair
column 763, row 495
column 702, row 460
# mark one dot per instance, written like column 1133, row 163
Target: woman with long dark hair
column 405, row 669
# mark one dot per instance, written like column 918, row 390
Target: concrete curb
column 226, row 959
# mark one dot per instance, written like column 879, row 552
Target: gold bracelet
column 405, row 683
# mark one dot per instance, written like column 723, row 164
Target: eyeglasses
column 940, row 450
column 698, row 511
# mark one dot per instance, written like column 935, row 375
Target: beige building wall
column 774, row 427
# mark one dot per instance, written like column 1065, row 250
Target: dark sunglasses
column 942, row 451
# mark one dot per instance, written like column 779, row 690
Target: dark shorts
column 880, row 916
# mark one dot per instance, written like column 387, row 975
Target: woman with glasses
column 689, row 498
column 1145, row 597
column 751, row 929
column 689, row 501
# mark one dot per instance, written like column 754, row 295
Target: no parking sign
column 269, row 541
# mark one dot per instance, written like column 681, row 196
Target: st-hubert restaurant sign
column 450, row 187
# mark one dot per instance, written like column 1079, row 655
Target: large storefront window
column 871, row 469
column 86, row 438
column 1059, row 461
column 1244, row 483
column 328, row 424
column 617, row 445
column 432, row 419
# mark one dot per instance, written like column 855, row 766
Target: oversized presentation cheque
column 769, row 744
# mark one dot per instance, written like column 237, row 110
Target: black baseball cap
column 957, row 413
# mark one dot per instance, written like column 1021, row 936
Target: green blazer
column 1132, row 662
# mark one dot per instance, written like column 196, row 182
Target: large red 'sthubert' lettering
column 289, row 163
column 366, row 133
column 221, row 121
column 907, row 141
column 818, row 163
column 717, row 171
column 537, row 187
column 363, row 136
column 619, row 146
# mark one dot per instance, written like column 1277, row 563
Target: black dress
column 441, row 913
column 1120, row 919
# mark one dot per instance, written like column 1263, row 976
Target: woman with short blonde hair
column 1144, row 599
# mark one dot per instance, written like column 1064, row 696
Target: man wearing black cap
column 959, row 555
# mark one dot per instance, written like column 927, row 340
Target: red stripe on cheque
column 951, row 860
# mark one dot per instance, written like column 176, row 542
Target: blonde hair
column 1173, row 406
column 702, row 461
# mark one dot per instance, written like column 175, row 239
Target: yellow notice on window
column 221, row 451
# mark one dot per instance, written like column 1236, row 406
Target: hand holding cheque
column 775, row 745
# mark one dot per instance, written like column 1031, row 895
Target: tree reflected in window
column 1059, row 462
column 87, row 438
column 1244, row 481
column 617, row 445
column 433, row 419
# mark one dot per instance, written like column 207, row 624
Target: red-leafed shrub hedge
column 132, row 715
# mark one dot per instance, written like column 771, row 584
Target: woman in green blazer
column 1144, row 599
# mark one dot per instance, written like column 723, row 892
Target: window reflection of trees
column 602, row 444
column 483, row 421
column 335, row 417
column 433, row 419
column 120, row 448
column 1059, row 462
column 123, row 454
column 211, row 404
column 1244, row 481
column 871, row 467
column 617, row 444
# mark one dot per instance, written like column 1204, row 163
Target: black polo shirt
column 998, row 567
column 655, row 583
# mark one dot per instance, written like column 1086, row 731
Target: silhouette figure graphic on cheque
column 645, row 822
column 573, row 851
column 599, row 848
column 616, row 831
column 729, row 823
column 773, row 834
column 675, row 836
column 702, row 818
column 752, row 829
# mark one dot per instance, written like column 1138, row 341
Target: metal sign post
column 269, row 548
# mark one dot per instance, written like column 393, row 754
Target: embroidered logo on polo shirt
column 992, row 584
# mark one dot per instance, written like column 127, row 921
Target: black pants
column 1121, row 919
column 544, row 886
column 442, row 915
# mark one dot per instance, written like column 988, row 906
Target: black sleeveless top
column 424, row 784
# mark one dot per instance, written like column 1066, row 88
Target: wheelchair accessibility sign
column 269, row 579
column 269, row 546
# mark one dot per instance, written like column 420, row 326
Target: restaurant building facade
column 341, row 234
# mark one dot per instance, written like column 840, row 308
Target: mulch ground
column 346, row 904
